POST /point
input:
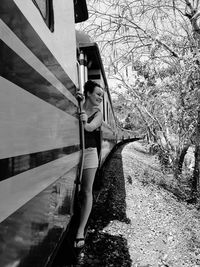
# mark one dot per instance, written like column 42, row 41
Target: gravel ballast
column 137, row 223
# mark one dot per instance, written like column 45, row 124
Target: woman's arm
column 94, row 124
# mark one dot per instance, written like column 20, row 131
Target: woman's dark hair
column 89, row 87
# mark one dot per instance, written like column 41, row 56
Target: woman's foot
column 79, row 242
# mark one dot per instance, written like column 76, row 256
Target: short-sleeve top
column 91, row 137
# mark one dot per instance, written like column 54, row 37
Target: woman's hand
column 83, row 117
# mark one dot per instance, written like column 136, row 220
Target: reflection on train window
column 80, row 11
column 46, row 10
column 107, row 112
column 104, row 109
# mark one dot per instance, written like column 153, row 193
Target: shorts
column 91, row 158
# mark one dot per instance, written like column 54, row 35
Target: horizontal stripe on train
column 32, row 40
column 16, row 70
column 28, row 124
column 15, row 165
column 18, row 190
column 32, row 233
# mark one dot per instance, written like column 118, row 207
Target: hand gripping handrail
column 77, row 181
column 82, row 140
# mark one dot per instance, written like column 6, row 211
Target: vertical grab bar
column 80, row 99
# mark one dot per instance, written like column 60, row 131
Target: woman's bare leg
column 87, row 199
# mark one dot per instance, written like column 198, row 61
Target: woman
column 92, row 120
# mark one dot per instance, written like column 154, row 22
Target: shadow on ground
column 103, row 249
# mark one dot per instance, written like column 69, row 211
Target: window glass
column 107, row 113
column 46, row 10
column 42, row 5
column 104, row 109
column 80, row 10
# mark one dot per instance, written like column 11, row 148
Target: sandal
column 77, row 240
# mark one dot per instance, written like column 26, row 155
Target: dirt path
column 136, row 223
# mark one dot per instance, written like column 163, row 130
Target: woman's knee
column 86, row 192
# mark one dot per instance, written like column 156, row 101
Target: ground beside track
column 137, row 223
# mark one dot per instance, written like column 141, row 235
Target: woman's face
column 96, row 96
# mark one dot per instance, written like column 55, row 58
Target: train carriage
column 40, row 133
column 39, row 128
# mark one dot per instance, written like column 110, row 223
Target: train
column 44, row 64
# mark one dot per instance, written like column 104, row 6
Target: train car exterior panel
column 28, row 24
column 107, row 146
column 39, row 134
column 30, row 235
column 21, row 66
column 17, row 190
column 29, row 124
column 108, row 141
column 108, row 133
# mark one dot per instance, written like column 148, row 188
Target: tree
column 158, row 42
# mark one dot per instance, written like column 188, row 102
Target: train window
column 78, row 71
column 104, row 110
column 109, row 115
column 107, row 111
column 46, row 10
column 80, row 11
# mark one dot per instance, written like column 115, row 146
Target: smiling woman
column 92, row 119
